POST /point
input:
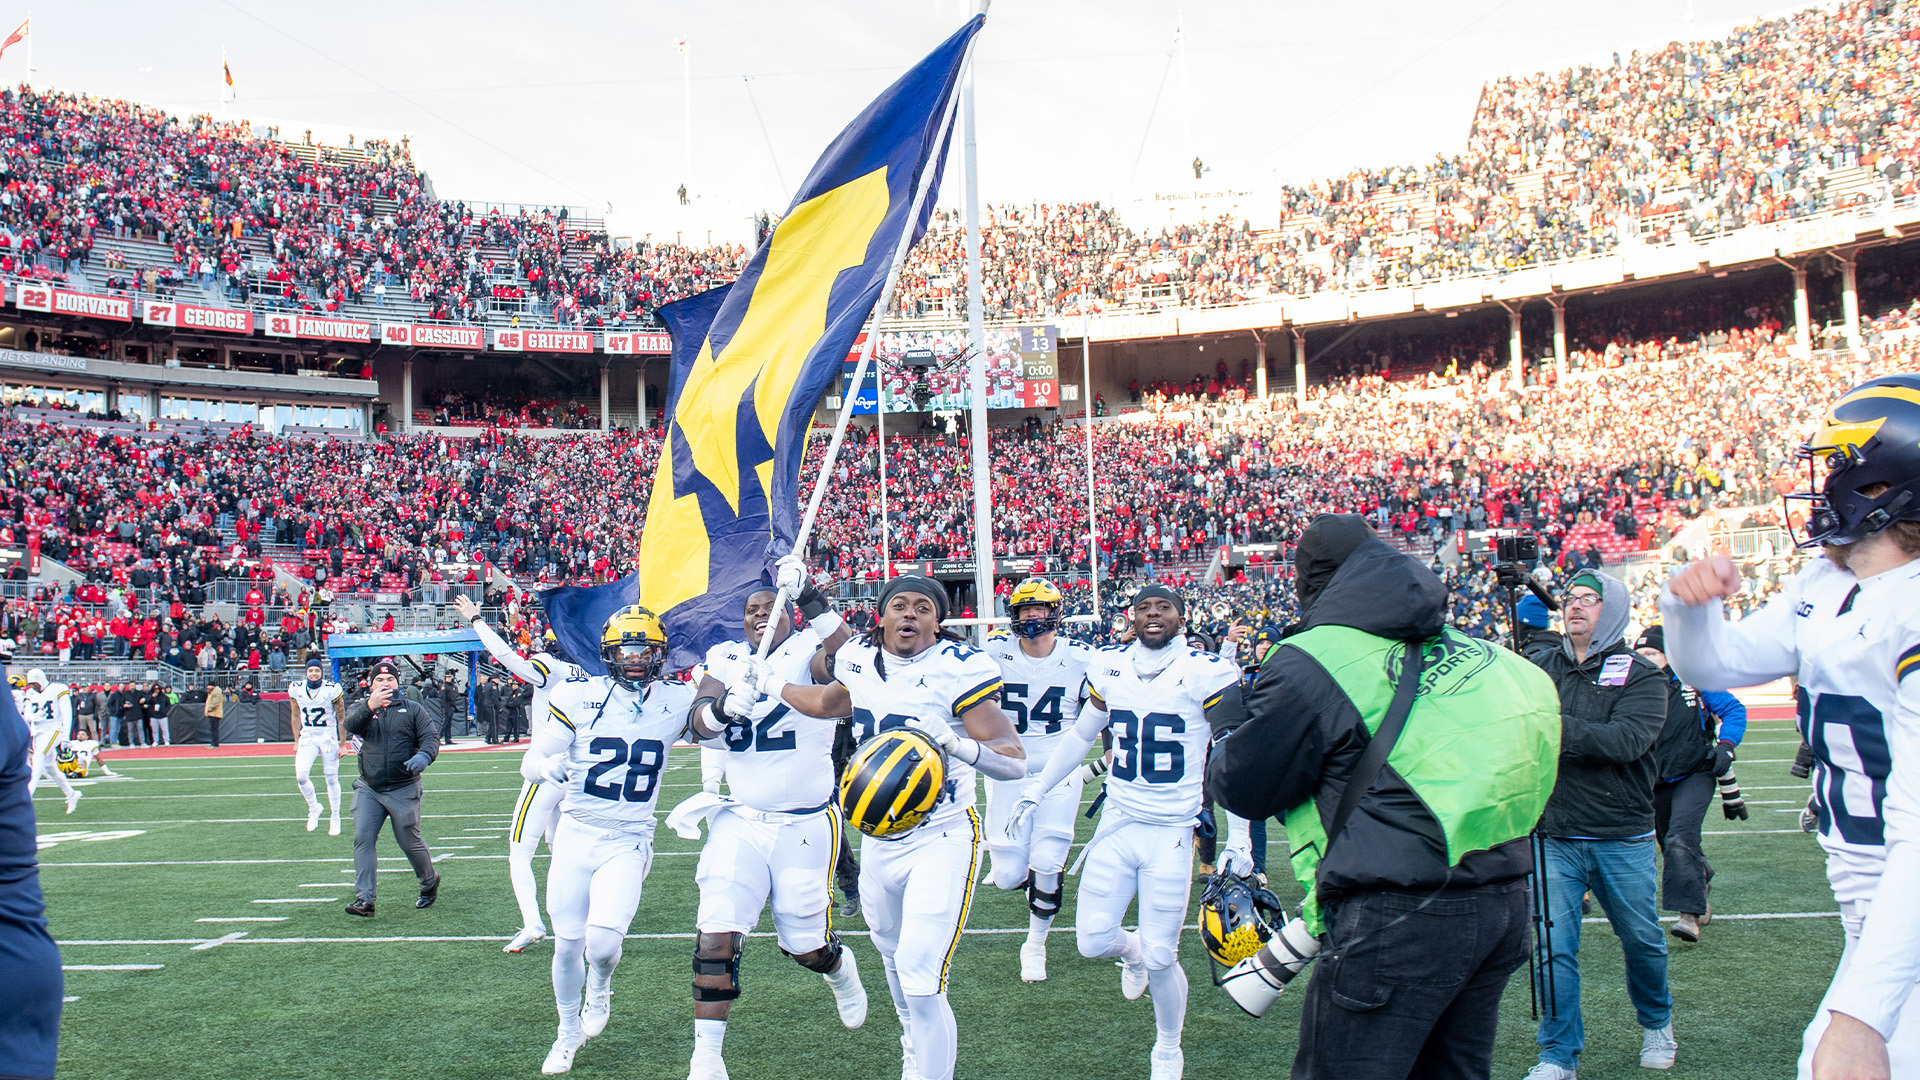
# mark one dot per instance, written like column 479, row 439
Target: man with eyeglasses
column 1597, row 833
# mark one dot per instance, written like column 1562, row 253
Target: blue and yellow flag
column 578, row 613
column 752, row 360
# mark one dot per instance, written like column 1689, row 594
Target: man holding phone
column 398, row 741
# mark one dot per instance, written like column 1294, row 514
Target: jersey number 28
column 1140, row 744
column 643, row 758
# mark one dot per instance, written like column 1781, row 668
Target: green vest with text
column 1478, row 748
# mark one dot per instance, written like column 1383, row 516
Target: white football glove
column 761, row 678
column 1020, row 818
column 555, row 769
column 740, row 701
column 1237, row 861
column 939, row 731
column 790, row 575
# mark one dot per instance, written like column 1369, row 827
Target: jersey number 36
column 642, row 757
column 1141, row 748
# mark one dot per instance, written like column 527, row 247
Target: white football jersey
column 1851, row 645
column 318, row 722
column 1160, row 731
column 49, row 708
column 616, row 743
column 553, row 671
column 1042, row 694
column 936, row 687
column 784, row 760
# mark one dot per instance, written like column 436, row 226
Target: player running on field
column 777, row 833
column 316, row 731
column 1156, row 694
column 1847, row 626
column 537, row 808
column 48, row 710
column 606, row 746
column 1044, row 672
column 915, row 886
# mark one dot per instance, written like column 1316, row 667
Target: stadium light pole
column 977, row 367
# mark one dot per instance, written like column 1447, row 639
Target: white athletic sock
column 936, row 1036
column 520, row 874
column 1169, row 988
column 708, row 1035
column 1037, row 927
column 569, row 978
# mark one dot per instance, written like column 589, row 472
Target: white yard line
column 224, row 939
column 256, row 918
column 298, row 900
column 112, row 967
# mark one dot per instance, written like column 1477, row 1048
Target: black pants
column 1409, row 985
column 1679, row 809
column 213, row 730
column 846, row 868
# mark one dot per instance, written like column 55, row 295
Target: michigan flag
column 751, row 360
column 577, row 613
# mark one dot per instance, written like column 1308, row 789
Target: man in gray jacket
column 1597, row 832
column 398, row 741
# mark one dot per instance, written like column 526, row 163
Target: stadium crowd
column 1788, row 116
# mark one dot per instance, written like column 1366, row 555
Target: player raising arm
column 606, row 746
column 316, row 733
column 1847, row 626
column 916, row 881
column 48, row 709
column 1156, row 694
column 537, row 808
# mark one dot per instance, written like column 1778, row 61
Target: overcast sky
column 585, row 102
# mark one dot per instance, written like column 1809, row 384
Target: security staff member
column 1419, row 892
column 398, row 742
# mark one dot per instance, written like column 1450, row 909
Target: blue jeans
column 1622, row 877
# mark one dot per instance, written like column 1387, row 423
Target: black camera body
column 1516, row 549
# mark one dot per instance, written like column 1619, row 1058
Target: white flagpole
column 977, row 369
column 866, row 354
column 224, row 88
column 29, row 50
column 880, row 433
column 1086, row 392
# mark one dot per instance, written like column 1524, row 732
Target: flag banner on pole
column 16, row 37
column 228, row 72
column 577, row 613
column 751, row 363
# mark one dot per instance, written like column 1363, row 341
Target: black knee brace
column 1044, row 904
column 728, row 965
column 823, row 959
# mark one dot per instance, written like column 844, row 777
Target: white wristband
column 828, row 624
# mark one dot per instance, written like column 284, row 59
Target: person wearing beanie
column 1694, row 749
column 1464, row 737
column 1536, row 628
column 398, row 742
column 1597, row 833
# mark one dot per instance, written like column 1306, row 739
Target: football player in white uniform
column 316, row 733
column 775, row 837
column 1044, row 673
column 915, row 887
column 1847, row 626
column 537, row 808
column 48, row 710
column 605, row 744
column 1156, row 694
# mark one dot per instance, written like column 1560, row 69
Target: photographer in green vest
column 1410, row 763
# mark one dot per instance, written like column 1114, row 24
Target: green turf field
column 318, row 993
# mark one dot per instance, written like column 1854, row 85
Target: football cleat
column 849, row 994
column 599, row 1005
column 707, row 1067
column 73, row 800
column 560, row 1058
column 909, row 1070
column 333, row 825
column 527, row 936
column 1133, row 978
column 313, row 818
column 1033, row 961
column 1169, row 1062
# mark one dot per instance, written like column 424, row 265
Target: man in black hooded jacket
column 1421, row 896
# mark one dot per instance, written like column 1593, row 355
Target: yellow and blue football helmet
column 1035, row 591
column 892, row 782
column 633, row 645
column 1870, row 437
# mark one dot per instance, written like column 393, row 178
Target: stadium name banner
column 317, row 328
column 31, row 297
column 962, row 569
column 195, row 317
column 639, row 344
column 566, row 341
column 430, row 336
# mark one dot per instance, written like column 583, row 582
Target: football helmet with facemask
column 1035, row 591
column 1868, row 441
column 633, row 645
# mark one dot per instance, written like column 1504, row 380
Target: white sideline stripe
column 265, row 820
column 318, row 885
column 279, row 862
column 114, row 967
column 460, row 847
column 56, row 796
column 224, row 939
column 298, row 900
column 1751, row 832
column 681, row 936
column 254, row 918
column 70, row 999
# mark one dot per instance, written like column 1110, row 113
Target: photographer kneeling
column 1409, row 784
